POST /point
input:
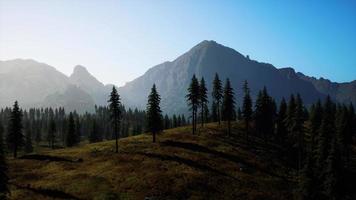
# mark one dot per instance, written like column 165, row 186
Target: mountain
column 206, row 59
column 87, row 82
column 341, row 92
column 37, row 84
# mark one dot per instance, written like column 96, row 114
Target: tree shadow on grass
column 48, row 192
column 48, row 158
column 229, row 157
column 202, row 149
column 185, row 161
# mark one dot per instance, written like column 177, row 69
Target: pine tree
column 193, row 100
column 154, row 116
column 307, row 184
column 174, row 119
column 239, row 114
column 51, row 132
column 15, row 138
column 246, row 107
column 115, row 114
column 77, row 130
column 71, row 137
column 94, row 133
column 167, row 122
column 316, row 116
column 217, row 95
column 4, row 179
column 214, row 112
column 332, row 173
column 281, row 131
column 264, row 114
column 326, row 131
column 28, row 142
column 228, row 104
column 203, row 99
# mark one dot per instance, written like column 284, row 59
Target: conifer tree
column 193, row 100
column 28, row 142
column 307, row 184
column 217, row 95
column 15, row 138
column 71, row 137
column 246, row 107
column 281, row 131
column 332, row 173
column 51, row 132
column 167, row 123
column 115, row 114
column 4, row 179
column 2, row 130
column 316, row 116
column 203, row 99
column 239, row 114
column 94, row 135
column 264, row 114
column 214, row 112
column 77, row 130
column 174, row 119
column 326, row 131
column 154, row 116
column 228, row 104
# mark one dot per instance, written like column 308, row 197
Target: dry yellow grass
column 179, row 166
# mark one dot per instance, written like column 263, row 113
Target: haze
column 119, row 40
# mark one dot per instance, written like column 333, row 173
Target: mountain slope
column 179, row 166
column 204, row 60
column 36, row 84
column 87, row 82
column 342, row 92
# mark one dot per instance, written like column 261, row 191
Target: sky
column 118, row 41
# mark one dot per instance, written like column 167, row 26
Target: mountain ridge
column 171, row 78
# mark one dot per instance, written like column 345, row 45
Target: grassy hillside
column 180, row 165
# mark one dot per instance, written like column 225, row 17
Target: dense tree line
column 314, row 140
column 24, row 129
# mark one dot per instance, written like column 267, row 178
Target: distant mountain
column 38, row 84
column 85, row 81
column 341, row 92
column 206, row 59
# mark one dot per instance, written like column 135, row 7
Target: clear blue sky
column 119, row 40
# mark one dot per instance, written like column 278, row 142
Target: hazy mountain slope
column 29, row 82
column 206, row 58
column 36, row 84
column 87, row 82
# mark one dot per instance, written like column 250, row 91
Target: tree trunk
column 116, row 138
column 202, row 115
column 246, row 127
column 193, row 128
column 15, row 151
column 229, row 127
column 218, row 113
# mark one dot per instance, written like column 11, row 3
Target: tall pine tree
column 246, row 107
column 193, row 100
column 154, row 113
column 228, row 105
column 203, row 99
column 71, row 137
column 4, row 179
column 115, row 114
column 217, row 95
column 15, row 138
